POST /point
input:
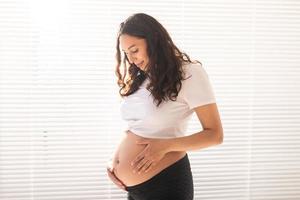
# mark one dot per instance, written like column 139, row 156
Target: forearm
column 196, row 141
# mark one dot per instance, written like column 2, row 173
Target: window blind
column 59, row 116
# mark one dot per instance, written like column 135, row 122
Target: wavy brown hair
column 165, row 60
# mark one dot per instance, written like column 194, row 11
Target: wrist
column 170, row 145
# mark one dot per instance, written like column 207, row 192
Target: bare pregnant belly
column 128, row 150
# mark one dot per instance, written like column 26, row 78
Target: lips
column 139, row 64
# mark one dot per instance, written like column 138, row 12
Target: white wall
column 59, row 117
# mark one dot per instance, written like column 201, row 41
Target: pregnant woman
column 161, row 87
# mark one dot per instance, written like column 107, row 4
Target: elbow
column 220, row 140
column 219, row 136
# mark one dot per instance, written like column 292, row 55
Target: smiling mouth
column 139, row 64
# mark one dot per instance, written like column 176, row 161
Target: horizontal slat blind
column 59, row 103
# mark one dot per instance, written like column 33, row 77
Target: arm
column 156, row 148
column 211, row 135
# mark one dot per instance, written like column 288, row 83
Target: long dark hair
column 165, row 60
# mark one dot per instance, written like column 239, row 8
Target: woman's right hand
column 113, row 177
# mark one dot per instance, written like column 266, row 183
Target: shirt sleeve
column 197, row 89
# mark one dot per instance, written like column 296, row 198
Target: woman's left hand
column 154, row 151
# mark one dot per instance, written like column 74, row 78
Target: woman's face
column 135, row 49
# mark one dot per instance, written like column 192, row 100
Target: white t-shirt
column 170, row 119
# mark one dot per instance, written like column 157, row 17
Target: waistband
column 183, row 162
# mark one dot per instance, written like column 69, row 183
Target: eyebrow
column 130, row 47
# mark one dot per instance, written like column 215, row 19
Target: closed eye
column 131, row 52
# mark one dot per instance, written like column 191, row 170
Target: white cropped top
column 170, row 119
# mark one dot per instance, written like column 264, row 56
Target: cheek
column 145, row 56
